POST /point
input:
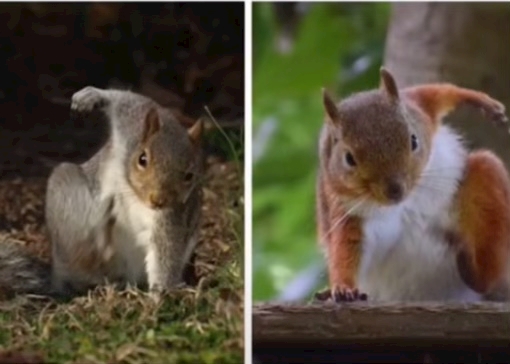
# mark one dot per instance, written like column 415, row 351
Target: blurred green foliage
column 338, row 46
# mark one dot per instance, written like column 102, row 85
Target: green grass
column 191, row 326
column 194, row 325
column 200, row 324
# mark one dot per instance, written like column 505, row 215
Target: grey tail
column 22, row 273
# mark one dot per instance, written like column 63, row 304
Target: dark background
column 184, row 56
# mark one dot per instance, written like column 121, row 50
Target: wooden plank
column 373, row 355
column 404, row 325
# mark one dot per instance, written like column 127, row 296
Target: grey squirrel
column 128, row 215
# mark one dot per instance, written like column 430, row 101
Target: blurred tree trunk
column 467, row 44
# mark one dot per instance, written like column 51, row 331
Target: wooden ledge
column 404, row 325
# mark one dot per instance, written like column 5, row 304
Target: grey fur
column 73, row 215
column 180, row 227
column 22, row 273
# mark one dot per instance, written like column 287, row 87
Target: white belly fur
column 131, row 231
column 402, row 259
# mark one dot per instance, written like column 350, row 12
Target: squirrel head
column 165, row 166
column 376, row 146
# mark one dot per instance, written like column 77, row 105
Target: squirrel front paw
column 341, row 294
column 346, row 294
column 495, row 112
column 87, row 99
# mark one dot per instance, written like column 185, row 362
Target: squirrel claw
column 496, row 113
column 499, row 118
column 343, row 294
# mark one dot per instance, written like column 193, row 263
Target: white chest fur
column 132, row 229
column 404, row 258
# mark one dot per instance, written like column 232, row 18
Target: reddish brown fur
column 483, row 204
column 382, row 154
column 438, row 100
column 345, row 250
column 342, row 242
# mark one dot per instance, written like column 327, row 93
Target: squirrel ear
column 195, row 131
column 329, row 106
column 151, row 124
column 388, row 84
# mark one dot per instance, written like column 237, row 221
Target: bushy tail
column 22, row 273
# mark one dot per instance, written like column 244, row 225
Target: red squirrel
column 404, row 211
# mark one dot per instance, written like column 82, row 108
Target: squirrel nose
column 394, row 191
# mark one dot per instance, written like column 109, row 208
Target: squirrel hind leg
column 483, row 204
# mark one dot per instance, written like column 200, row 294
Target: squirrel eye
column 142, row 160
column 414, row 142
column 349, row 159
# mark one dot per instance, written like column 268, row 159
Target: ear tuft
column 152, row 124
column 329, row 106
column 388, row 84
column 195, row 131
